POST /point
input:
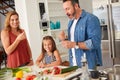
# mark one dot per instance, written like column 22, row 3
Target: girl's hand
column 42, row 65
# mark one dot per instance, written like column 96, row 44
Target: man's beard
column 73, row 14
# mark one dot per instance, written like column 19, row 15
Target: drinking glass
column 9, row 74
column 117, row 72
column 6, row 74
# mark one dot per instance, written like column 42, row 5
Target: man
column 84, row 35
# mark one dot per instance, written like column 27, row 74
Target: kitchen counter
column 67, row 76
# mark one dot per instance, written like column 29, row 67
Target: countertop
column 52, row 77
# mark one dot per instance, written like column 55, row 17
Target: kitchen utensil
column 94, row 74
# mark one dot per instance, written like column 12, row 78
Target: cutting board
column 64, row 74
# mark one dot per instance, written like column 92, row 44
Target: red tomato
column 57, row 70
column 33, row 76
column 30, row 77
column 18, row 79
column 47, row 71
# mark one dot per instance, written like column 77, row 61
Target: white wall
column 86, row 4
column 29, row 20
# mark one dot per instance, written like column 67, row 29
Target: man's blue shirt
column 87, row 30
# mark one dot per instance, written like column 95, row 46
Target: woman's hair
column 7, row 20
column 53, row 43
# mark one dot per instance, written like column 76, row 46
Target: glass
column 6, row 74
column 117, row 72
column 58, row 25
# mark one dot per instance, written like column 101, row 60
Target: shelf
column 103, row 25
column 54, row 1
column 55, row 8
column 104, row 40
column 53, row 16
column 55, row 12
column 56, row 30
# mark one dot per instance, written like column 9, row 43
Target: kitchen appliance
column 44, row 27
column 42, row 9
column 104, row 32
column 44, row 24
column 108, row 13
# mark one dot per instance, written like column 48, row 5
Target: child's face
column 47, row 45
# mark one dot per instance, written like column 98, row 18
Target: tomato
column 47, row 71
column 18, row 79
column 57, row 70
column 33, row 76
column 30, row 77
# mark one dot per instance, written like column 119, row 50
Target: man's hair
column 72, row 1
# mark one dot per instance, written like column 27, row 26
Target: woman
column 15, row 42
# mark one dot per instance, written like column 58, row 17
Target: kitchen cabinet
column 54, row 13
column 114, row 1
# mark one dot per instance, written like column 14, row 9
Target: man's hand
column 62, row 36
column 68, row 44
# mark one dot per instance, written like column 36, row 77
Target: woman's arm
column 6, row 42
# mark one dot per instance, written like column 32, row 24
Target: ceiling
column 6, row 6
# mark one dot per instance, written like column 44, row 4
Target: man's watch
column 76, row 45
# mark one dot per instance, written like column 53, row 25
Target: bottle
column 85, row 73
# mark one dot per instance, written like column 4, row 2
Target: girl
column 50, row 55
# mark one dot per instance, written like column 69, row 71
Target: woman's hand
column 30, row 63
column 21, row 36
